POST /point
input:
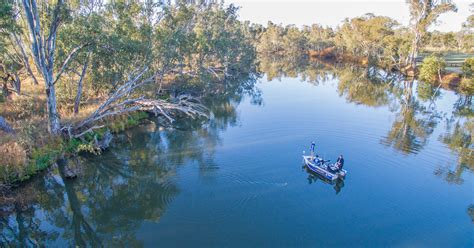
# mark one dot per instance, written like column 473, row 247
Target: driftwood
column 4, row 126
column 120, row 102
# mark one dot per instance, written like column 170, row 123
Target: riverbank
column 30, row 149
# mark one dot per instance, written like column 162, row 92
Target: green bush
column 468, row 67
column 431, row 68
column 467, row 86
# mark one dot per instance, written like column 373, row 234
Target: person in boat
column 340, row 163
column 312, row 148
column 317, row 160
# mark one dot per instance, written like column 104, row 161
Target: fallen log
column 120, row 103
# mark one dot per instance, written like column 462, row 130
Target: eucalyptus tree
column 366, row 36
column 318, row 37
column 423, row 14
column 43, row 30
column 86, row 26
column 270, row 41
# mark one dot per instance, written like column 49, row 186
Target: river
column 238, row 179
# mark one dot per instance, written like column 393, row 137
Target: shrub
column 467, row 86
column 468, row 67
column 431, row 68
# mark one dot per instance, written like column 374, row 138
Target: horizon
column 316, row 12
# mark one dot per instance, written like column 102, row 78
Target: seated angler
column 340, row 162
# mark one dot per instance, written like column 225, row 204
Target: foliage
column 432, row 68
column 423, row 13
column 95, row 46
column 467, row 86
column 468, row 67
column 366, row 36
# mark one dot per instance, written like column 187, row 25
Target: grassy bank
column 31, row 149
column 22, row 160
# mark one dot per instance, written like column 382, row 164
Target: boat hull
column 322, row 171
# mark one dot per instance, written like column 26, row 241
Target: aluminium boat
column 324, row 168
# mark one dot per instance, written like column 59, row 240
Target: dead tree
column 120, row 102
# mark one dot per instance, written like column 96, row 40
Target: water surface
column 238, row 180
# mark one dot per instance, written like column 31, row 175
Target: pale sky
column 331, row 13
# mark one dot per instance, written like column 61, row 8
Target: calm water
column 238, row 180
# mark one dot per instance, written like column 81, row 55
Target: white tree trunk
column 53, row 116
column 43, row 54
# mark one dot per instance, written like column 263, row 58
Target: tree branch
column 67, row 60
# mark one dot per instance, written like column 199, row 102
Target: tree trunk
column 16, row 83
column 53, row 116
column 77, row 101
column 5, row 90
column 43, row 53
column 24, row 57
column 414, row 50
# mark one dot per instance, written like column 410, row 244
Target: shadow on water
column 136, row 180
column 313, row 178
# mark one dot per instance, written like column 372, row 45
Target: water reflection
column 413, row 123
column 137, row 180
column 458, row 138
column 416, row 114
column 133, row 182
column 314, row 178
column 413, row 103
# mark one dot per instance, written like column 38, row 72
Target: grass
column 30, row 149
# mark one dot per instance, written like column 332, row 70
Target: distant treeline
column 370, row 38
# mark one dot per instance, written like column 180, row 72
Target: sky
column 332, row 13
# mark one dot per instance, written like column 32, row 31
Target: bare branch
column 118, row 103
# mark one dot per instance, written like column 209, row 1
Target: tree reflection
column 413, row 124
column 416, row 114
column 470, row 212
column 365, row 86
column 311, row 71
column 21, row 219
column 133, row 182
column 458, row 138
